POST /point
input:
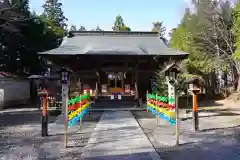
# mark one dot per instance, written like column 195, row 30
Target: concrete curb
column 19, row 110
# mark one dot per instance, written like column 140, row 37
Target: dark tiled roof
column 110, row 43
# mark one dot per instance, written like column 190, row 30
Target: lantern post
column 44, row 105
column 171, row 72
column 194, row 88
column 43, row 93
column 64, row 74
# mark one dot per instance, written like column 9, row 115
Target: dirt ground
column 218, row 136
column 20, row 137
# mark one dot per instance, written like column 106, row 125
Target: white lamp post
column 171, row 77
column 64, row 80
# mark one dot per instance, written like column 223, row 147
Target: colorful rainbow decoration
column 77, row 108
column 159, row 106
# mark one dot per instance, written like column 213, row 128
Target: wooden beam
column 93, row 71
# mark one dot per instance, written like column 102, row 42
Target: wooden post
column 187, row 97
column 115, row 81
column 65, row 106
column 122, row 80
column 147, row 99
column 177, row 132
column 96, row 90
column 44, row 116
column 195, row 112
column 156, row 111
column 136, row 85
column 80, row 124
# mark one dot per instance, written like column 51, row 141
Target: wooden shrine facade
column 113, row 62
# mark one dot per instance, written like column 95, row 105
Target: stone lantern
column 171, row 72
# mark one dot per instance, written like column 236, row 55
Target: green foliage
column 53, row 13
column 124, row 28
column 119, row 25
column 196, row 34
column 73, row 28
column 35, row 33
column 82, row 28
column 158, row 27
column 236, row 29
column 161, row 85
column 208, row 34
column 98, row 29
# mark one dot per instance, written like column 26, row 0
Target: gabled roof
column 171, row 66
column 113, row 43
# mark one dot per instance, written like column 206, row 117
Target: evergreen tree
column 98, row 29
column 82, row 28
column 73, row 28
column 53, row 14
column 119, row 25
column 158, row 27
column 206, row 34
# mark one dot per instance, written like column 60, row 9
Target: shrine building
column 109, row 62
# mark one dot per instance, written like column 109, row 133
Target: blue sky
column 137, row 14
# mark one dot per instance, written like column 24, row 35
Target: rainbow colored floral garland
column 77, row 107
column 161, row 109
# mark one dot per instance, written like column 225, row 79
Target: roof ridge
column 102, row 33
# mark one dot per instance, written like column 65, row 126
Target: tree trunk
column 237, row 84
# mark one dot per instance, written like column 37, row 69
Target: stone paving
column 119, row 136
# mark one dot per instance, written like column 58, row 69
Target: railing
column 158, row 105
column 77, row 108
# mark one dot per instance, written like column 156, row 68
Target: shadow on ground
column 143, row 115
column 20, row 138
column 21, row 118
column 227, row 112
column 184, row 104
column 221, row 149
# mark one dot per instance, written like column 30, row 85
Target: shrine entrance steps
column 115, row 105
column 118, row 136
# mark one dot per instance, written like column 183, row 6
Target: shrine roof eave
column 114, row 43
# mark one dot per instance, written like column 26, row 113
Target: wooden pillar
column 147, row 99
column 115, row 81
column 132, row 77
column 136, row 85
column 97, row 86
column 122, row 79
column 79, row 85
column 96, row 91
column 195, row 112
column 82, row 83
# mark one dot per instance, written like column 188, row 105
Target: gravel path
column 20, row 137
column 207, row 144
